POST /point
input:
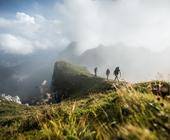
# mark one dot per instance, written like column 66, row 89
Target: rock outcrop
column 71, row 80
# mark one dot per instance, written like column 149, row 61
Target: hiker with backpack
column 107, row 73
column 116, row 73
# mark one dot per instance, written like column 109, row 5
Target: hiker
column 107, row 73
column 95, row 71
column 116, row 73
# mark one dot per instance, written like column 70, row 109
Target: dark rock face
column 71, row 80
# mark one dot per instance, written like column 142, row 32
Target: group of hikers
column 116, row 73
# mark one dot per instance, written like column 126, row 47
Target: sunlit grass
column 126, row 113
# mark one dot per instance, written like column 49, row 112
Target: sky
column 27, row 26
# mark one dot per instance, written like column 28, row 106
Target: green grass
column 71, row 69
column 96, row 109
column 75, row 81
column 125, row 113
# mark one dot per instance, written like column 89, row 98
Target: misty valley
column 65, row 86
column 22, row 75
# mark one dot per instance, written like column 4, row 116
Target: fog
column 136, row 23
column 137, row 64
column 132, row 34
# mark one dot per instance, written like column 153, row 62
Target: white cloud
column 21, row 23
column 17, row 45
column 26, row 34
column 93, row 22
column 24, row 18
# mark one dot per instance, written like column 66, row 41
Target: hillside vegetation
column 124, row 112
column 70, row 80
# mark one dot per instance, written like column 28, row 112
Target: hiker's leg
column 117, row 78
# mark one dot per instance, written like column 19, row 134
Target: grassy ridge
column 122, row 114
column 93, row 109
column 70, row 80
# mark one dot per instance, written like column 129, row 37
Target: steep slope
column 72, row 80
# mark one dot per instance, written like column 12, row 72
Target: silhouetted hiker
column 107, row 73
column 95, row 71
column 116, row 73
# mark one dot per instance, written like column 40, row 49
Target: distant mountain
column 136, row 63
column 70, row 52
column 22, row 74
column 129, row 59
